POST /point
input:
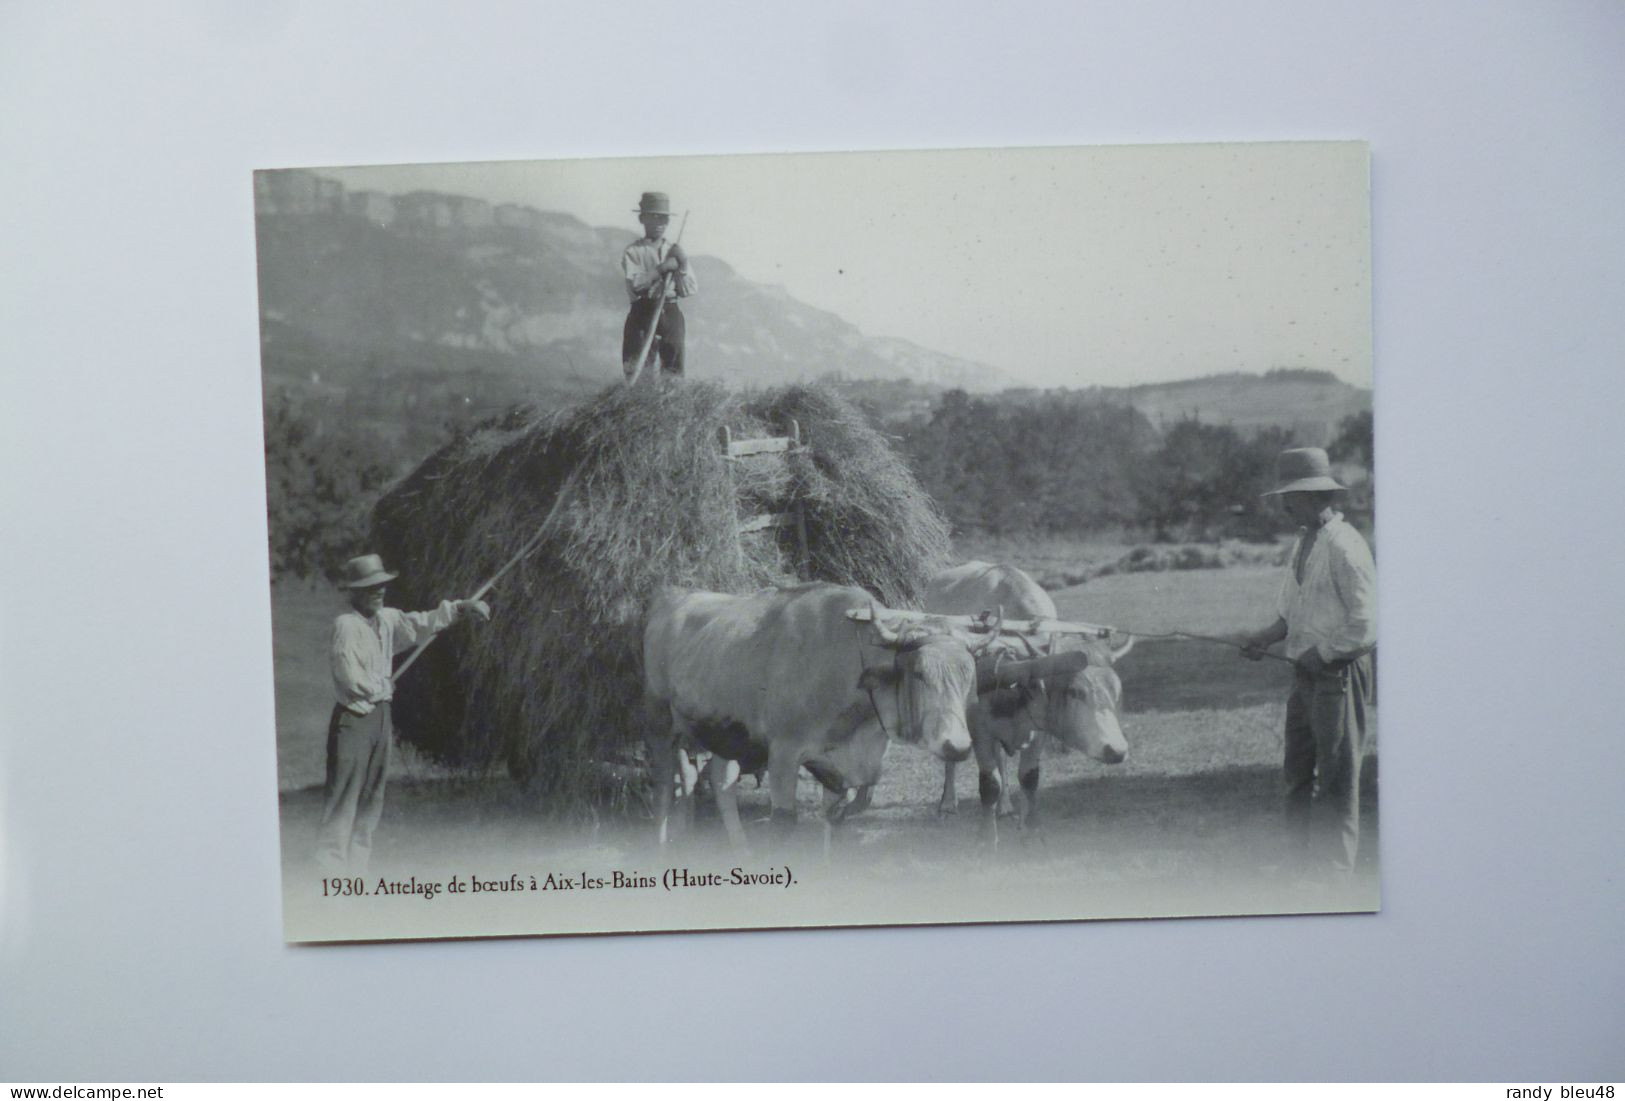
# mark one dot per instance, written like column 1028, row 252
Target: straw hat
column 654, row 202
column 1304, row 470
column 365, row 571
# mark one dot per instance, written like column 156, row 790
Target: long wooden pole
column 660, row 307
column 981, row 623
column 1041, row 627
column 530, row 544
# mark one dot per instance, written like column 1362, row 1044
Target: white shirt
column 364, row 650
column 638, row 265
column 1334, row 608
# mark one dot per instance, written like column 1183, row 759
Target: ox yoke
column 987, row 622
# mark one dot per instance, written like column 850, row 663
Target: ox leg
column 837, row 805
column 724, row 777
column 782, row 771
column 661, row 741
column 840, row 794
column 855, row 801
column 949, row 803
column 988, row 787
column 685, row 788
column 1032, row 755
column 1006, row 806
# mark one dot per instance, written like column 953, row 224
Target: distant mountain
column 542, row 296
column 419, row 313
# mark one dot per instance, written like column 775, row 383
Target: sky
column 1111, row 265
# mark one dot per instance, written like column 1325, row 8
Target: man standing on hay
column 1326, row 613
column 657, row 275
column 365, row 641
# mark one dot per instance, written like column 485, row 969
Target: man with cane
column 657, row 275
column 1326, row 613
column 365, row 641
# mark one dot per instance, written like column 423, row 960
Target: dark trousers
column 668, row 346
column 357, row 764
column 1325, row 740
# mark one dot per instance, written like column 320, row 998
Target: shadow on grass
column 1181, row 675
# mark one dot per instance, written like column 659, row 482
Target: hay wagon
column 689, row 485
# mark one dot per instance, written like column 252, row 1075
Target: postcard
column 826, row 539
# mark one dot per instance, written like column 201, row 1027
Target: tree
column 1354, row 444
column 319, row 491
column 1354, row 439
column 1053, row 463
column 1206, row 480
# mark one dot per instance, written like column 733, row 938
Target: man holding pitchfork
column 366, row 639
column 657, row 275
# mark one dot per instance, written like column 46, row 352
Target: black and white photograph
column 811, row 543
column 832, row 539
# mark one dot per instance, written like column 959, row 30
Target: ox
column 847, row 771
column 781, row 679
column 1077, row 706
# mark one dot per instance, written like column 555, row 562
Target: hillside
column 1309, row 403
column 522, row 300
column 411, row 313
column 380, row 343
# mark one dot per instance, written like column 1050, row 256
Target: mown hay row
column 553, row 684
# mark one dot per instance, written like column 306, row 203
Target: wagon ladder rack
column 781, row 447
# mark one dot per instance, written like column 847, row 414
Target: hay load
column 553, row 684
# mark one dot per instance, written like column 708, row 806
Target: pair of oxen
column 785, row 679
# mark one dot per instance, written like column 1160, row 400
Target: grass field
column 1196, row 801
column 301, row 630
column 1058, row 563
column 1176, row 675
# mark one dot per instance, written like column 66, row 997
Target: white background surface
column 139, row 917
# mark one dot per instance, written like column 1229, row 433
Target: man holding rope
column 365, row 641
column 1326, row 613
column 657, row 275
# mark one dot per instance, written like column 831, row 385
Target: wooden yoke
column 994, row 673
column 982, row 623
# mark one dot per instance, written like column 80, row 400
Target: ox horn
column 887, row 636
column 1125, row 648
column 979, row 648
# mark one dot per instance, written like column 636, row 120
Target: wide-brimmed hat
column 364, row 571
column 654, row 202
column 1304, row 470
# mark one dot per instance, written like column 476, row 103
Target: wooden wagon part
column 986, row 622
column 993, row 673
column 796, row 517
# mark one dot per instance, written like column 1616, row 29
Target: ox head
column 928, row 687
column 1078, row 692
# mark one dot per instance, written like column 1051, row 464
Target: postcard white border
column 139, row 896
